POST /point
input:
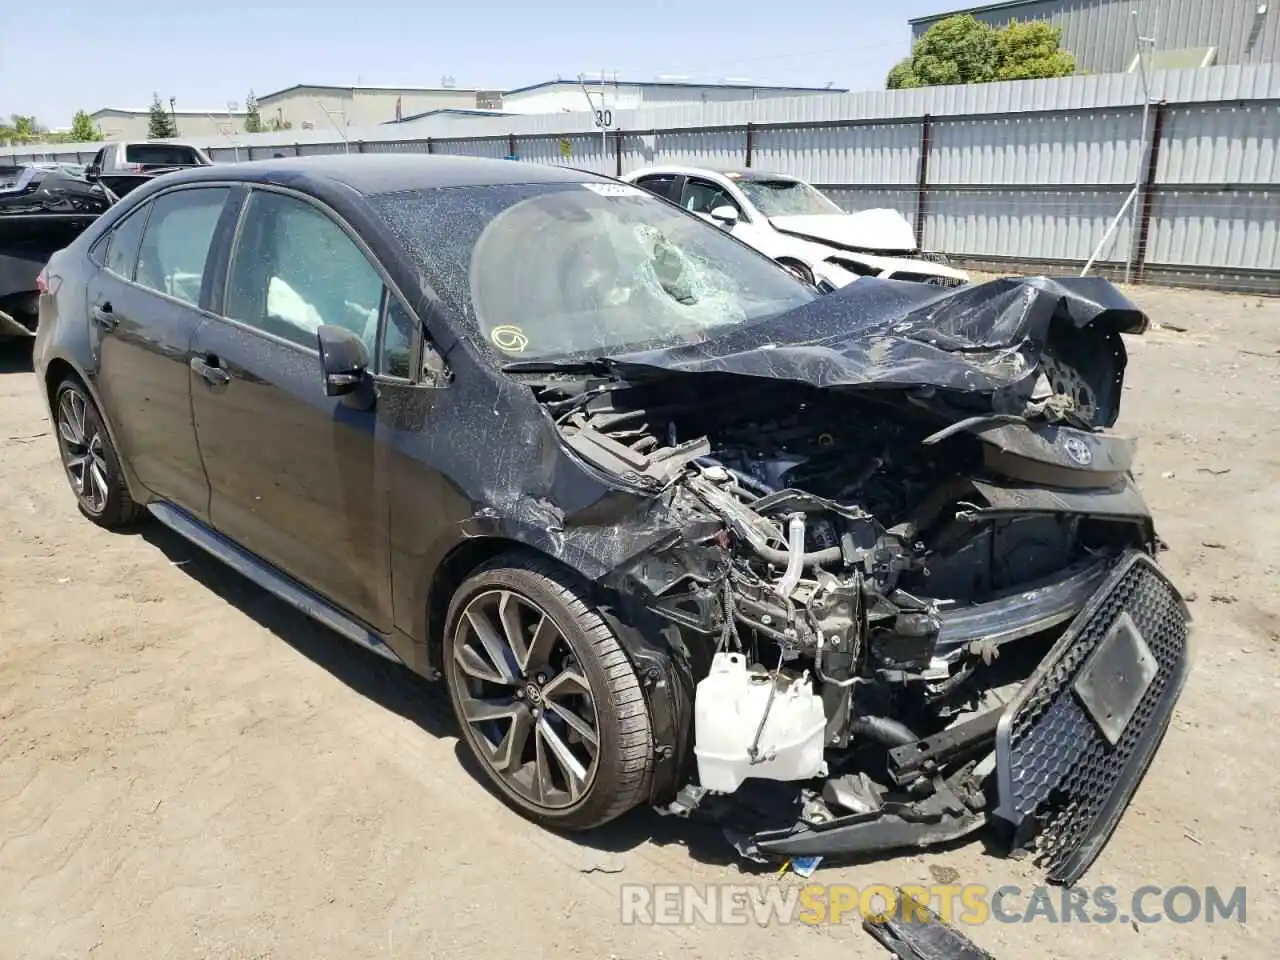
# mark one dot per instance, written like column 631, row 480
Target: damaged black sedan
column 847, row 572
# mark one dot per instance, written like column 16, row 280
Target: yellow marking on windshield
column 509, row 338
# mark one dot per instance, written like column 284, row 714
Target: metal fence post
column 922, row 178
column 297, row 149
column 617, row 153
column 430, row 146
column 511, row 144
column 751, row 144
column 1147, row 199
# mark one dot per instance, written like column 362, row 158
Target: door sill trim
column 270, row 579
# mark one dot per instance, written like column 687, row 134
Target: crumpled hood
column 877, row 334
column 879, row 229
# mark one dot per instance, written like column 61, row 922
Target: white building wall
column 323, row 108
column 134, row 124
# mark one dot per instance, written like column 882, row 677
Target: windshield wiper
column 600, row 365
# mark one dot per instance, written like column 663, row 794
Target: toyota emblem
column 1078, row 451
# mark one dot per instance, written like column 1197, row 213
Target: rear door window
column 176, row 243
column 663, row 184
column 160, row 154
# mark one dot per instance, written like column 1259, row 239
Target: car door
column 292, row 472
column 144, row 305
column 701, row 196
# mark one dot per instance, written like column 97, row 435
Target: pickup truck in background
column 121, row 167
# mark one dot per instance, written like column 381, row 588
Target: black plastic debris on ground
column 911, row 931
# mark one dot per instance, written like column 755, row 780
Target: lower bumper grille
column 1072, row 747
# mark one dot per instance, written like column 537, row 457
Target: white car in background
column 796, row 224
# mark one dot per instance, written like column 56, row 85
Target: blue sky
column 57, row 58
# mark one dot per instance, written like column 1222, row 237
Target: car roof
column 729, row 173
column 378, row 173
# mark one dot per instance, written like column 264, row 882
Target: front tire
column 93, row 468
column 546, row 698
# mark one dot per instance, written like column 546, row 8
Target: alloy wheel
column 525, row 700
column 83, row 451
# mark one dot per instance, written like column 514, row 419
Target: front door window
column 295, row 269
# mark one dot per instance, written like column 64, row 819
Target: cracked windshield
column 575, row 271
column 787, row 198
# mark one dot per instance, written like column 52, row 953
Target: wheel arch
column 652, row 645
column 460, row 562
column 58, row 369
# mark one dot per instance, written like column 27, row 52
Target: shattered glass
column 788, row 198
column 549, row 271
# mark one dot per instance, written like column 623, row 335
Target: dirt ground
column 190, row 769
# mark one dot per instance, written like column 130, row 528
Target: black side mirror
column 344, row 362
column 92, row 174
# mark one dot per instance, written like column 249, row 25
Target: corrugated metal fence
column 1010, row 175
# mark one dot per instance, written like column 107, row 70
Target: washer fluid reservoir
column 727, row 708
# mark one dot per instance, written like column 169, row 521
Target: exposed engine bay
column 851, row 622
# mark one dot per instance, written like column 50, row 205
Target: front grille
column 1063, row 784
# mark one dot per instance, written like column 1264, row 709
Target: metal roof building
column 557, row 96
column 1103, row 34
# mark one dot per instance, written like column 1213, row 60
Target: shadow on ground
column 390, row 686
column 15, row 356
column 426, row 704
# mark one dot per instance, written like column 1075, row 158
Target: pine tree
column 252, row 118
column 161, row 125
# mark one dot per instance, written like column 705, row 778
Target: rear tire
column 90, row 460
column 546, row 698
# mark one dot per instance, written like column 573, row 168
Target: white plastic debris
column 729, row 705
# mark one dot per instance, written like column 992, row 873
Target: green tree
column 160, row 125
column 25, row 129
column 963, row 49
column 1031, row 51
column 22, row 129
column 83, row 129
column 252, row 118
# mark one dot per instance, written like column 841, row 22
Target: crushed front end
column 893, row 619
